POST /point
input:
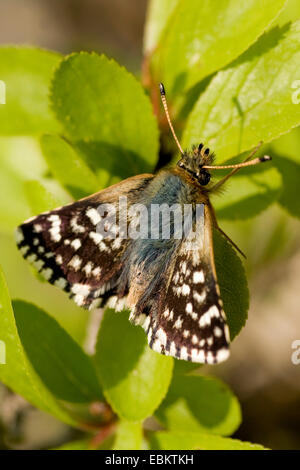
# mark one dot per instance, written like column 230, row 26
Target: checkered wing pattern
column 66, row 248
column 187, row 320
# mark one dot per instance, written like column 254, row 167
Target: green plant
column 229, row 83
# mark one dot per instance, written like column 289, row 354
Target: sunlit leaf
column 197, row 441
column 68, row 167
column 249, row 193
column 128, row 436
column 158, row 14
column 38, row 197
column 17, row 373
column 135, row 379
column 251, row 100
column 205, row 36
column 106, row 115
column 27, row 73
column 199, row 404
column 58, row 360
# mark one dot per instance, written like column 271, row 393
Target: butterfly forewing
column 66, row 248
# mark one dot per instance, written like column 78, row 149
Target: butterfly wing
column 186, row 320
column 65, row 246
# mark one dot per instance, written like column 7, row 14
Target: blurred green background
column 260, row 370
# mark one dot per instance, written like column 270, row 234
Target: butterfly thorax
column 192, row 163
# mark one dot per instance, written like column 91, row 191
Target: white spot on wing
column 88, row 268
column 75, row 262
column 59, row 259
column 54, row 230
column 189, row 308
column 205, row 319
column 47, row 273
column 24, row 249
column 76, row 244
column 93, row 215
column 178, row 323
column 183, row 353
column 222, row 355
column 218, row 332
column 199, row 297
column 96, row 272
column 37, row 228
column 195, row 339
column 77, row 228
column 19, row 235
column 61, row 283
column 161, row 336
column 198, row 277
column 198, row 355
column 82, row 289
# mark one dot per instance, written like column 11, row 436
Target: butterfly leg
column 216, row 225
column 231, row 241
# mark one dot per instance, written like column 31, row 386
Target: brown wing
column 186, row 319
column 67, row 249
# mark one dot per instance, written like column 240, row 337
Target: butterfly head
column 192, row 162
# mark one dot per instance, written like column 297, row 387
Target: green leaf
column 159, row 13
column 128, row 436
column 291, row 12
column 15, row 197
column 58, row 360
column 163, row 440
column 88, row 444
column 134, row 378
column 21, row 162
column 249, row 193
column 106, row 115
column 26, row 72
column 17, row 373
column 38, row 197
column 290, row 172
column 287, row 145
column 80, row 444
column 240, row 105
column 184, row 367
column 68, row 167
column 205, row 36
column 196, row 403
column 20, row 159
column 233, row 284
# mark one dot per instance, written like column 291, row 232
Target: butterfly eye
column 206, row 152
column 200, row 147
column 204, row 178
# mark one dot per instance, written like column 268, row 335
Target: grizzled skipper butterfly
column 168, row 280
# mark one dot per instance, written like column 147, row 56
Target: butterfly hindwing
column 186, row 319
column 65, row 246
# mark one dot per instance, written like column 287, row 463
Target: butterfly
column 169, row 283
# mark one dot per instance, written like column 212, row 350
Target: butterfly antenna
column 164, row 102
column 255, row 161
column 235, row 168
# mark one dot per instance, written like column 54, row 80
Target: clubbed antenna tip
column 162, row 89
column 164, row 102
column 265, row 158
